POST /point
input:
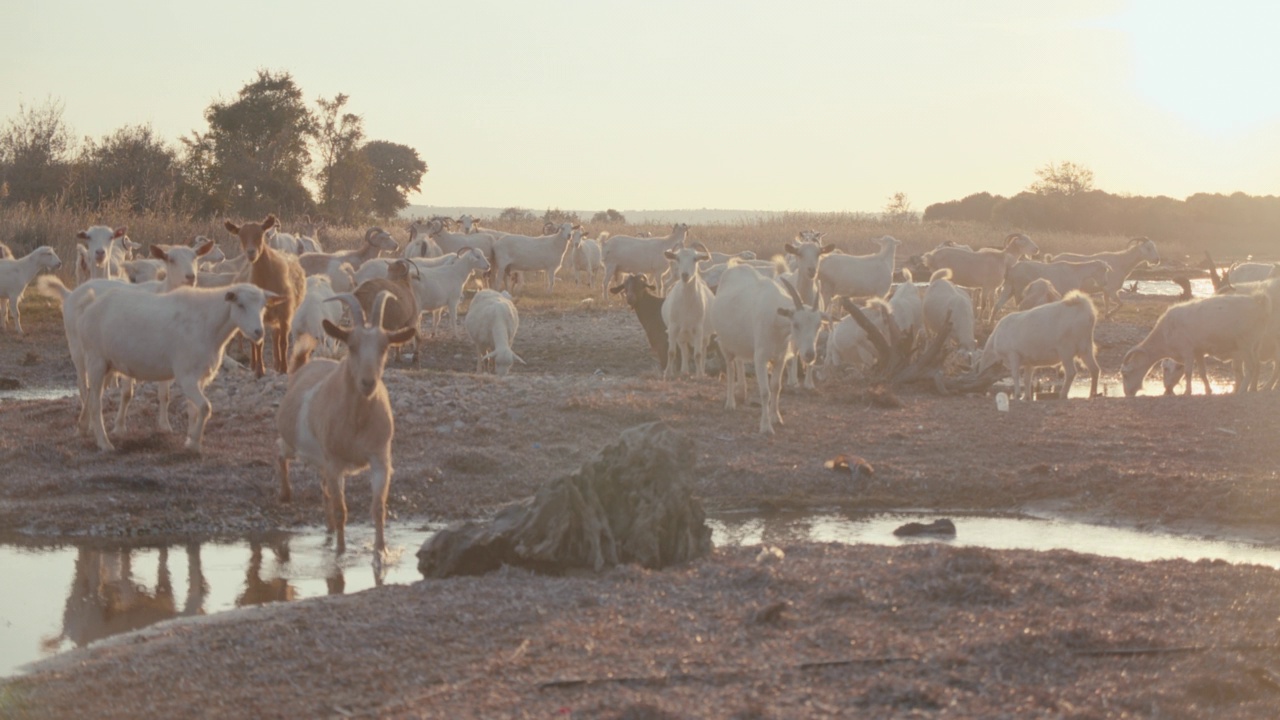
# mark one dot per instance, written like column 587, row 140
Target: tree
column 516, row 214
column 397, row 171
column 131, row 162
column 1065, row 178
column 898, row 209
column 609, row 217
column 345, row 177
column 558, row 216
column 258, row 145
column 35, row 150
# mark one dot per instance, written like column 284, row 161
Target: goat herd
column 169, row 317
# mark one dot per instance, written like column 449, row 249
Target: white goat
column 982, row 269
column 440, row 287
column 1052, row 334
column 492, row 322
column 754, row 319
column 15, row 275
column 105, row 249
column 1122, row 262
column 943, row 298
column 307, row 319
column 685, row 311
column 582, row 253
column 517, row 253
column 849, row 344
column 179, row 335
column 907, row 305
column 807, row 254
column 419, row 244
column 1247, row 272
column 1225, row 326
column 336, row 416
column 376, row 241
column 1038, row 292
column 1065, row 276
column 858, row 276
column 629, row 254
column 181, row 270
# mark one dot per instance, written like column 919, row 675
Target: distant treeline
column 1235, row 224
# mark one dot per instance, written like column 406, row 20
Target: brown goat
column 402, row 307
column 275, row 272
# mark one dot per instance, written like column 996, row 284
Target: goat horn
column 795, row 296
column 379, row 304
column 369, row 233
column 357, row 312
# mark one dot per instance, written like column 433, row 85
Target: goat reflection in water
column 107, row 597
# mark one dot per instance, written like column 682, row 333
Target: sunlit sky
column 821, row 105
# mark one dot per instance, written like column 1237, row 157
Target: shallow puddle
column 63, row 596
column 38, row 393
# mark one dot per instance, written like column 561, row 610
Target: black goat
column 648, row 307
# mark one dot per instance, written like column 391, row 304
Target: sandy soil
column 928, row 630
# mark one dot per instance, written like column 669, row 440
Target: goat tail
column 51, row 286
column 940, row 274
column 1075, row 298
column 603, row 238
column 302, row 350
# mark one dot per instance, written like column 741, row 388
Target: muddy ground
column 825, row 631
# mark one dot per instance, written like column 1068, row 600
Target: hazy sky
column 822, row 105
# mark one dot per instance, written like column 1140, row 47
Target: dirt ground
column 826, row 630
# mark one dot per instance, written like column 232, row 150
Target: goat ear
column 791, row 249
column 158, row 252
column 230, row 296
column 669, row 255
column 120, row 231
column 786, row 312
column 826, row 248
column 617, row 289
column 401, row 336
column 231, row 227
column 204, row 248
column 274, row 298
column 334, row 331
column 269, row 222
column 82, row 235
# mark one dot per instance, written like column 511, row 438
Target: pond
column 64, row 596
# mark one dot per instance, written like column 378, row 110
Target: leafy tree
column 345, row 177
column 517, row 214
column 558, row 216
column 258, row 144
column 1065, row 178
column 898, row 209
column 397, row 171
column 35, row 150
column 609, row 217
column 130, row 162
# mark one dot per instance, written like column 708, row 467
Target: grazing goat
column 1122, row 262
column 753, row 318
column 582, row 253
column 639, row 294
column 858, row 276
column 849, row 344
column 179, row 335
column 376, row 240
column 1269, row 344
column 336, row 416
column 1038, row 292
column 15, row 275
column 492, row 322
column 516, row 253
column 1225, row 326
column 629, row 254
column 276, row 273
column 685, row 311
column 942, row 299
column 401, row 310
column 1049, row 335
column 982, row 269
column 1065, row 277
